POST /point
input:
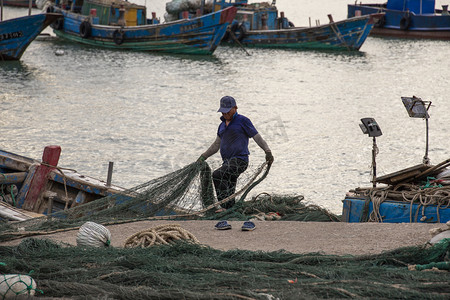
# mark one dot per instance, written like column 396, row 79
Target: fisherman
column 232, row 139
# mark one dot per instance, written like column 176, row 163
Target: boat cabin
column 256, row 16
column 419, row 7
column 109, row 12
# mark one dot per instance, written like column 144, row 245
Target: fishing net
column 187, row 193
column 184, row 270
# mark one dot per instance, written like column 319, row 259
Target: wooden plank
column 50, row 160
column 11, row 178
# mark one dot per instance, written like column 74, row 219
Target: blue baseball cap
column 226, row 104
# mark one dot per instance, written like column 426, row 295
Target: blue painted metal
column 16, row 34
column 394, row 212
column 261, row 25
column 19, row 3
column 407, row 19
column 199, row 35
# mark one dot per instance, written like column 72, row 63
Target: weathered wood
column 50, row 160
column 9, row 178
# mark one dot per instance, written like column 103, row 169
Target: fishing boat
column 31, row 187
column 419, row 194
column 119, row 24
column 17, row 34
column 262, row 25
column 407, row 19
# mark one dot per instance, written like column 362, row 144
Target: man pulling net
column 232, row 139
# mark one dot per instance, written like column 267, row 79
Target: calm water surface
column 152, row 114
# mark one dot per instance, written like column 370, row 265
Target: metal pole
column 425, row 158
column 1, row 13
column 30, row 4
column 374, row 164
column 110, row 171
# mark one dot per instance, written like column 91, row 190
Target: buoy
column 59, row 52
column 92, row 234
column 12, row 285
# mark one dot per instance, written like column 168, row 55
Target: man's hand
column 269, row 157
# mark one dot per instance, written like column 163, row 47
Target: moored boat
column 407, row 19
column 17, row 34
column 123, row 25
column 262, row 25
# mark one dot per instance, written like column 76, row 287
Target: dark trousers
column 225, row 179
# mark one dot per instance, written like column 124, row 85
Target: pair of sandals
column 247, row 226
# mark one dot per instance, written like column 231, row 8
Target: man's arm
column 262, row 143
column 215, row 146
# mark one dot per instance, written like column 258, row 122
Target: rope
column 159, row 235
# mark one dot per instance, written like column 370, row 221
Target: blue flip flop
column 248, row 226
column 223, row 225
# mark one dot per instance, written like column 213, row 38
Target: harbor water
column 152, row 114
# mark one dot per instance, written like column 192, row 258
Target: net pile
column 187, row 193
column 189, row 271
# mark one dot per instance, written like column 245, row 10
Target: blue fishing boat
column 407, row 19
column 419, row 194
column 17, row 34
column 261, row 25
column 119, row 24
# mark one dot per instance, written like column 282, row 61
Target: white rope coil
column 92, row 234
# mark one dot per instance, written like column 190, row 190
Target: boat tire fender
column 405, row 22
column 291, row 24
column 241, row 31
column 118, row 36
column 85, row 29
column 50, row 9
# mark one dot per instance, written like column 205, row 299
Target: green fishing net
column 184, row 270
column 187, row 193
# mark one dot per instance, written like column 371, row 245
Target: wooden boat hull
column 17, row 34
column 199, row 35
column 348, row 34
column 357, row 210
column 400, row 24
column 43, row 189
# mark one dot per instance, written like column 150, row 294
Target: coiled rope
column 159, row 235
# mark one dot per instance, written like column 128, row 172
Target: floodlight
column 370, row 127
column 417, row 108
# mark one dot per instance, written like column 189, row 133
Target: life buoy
column 118, row 36
column 85, row 29
column 405, row 22
column 58, row 24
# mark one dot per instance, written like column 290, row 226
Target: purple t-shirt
column 234, row 137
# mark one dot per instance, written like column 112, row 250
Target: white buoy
column 12, row 285
column 92, row 234
column 59, row 52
